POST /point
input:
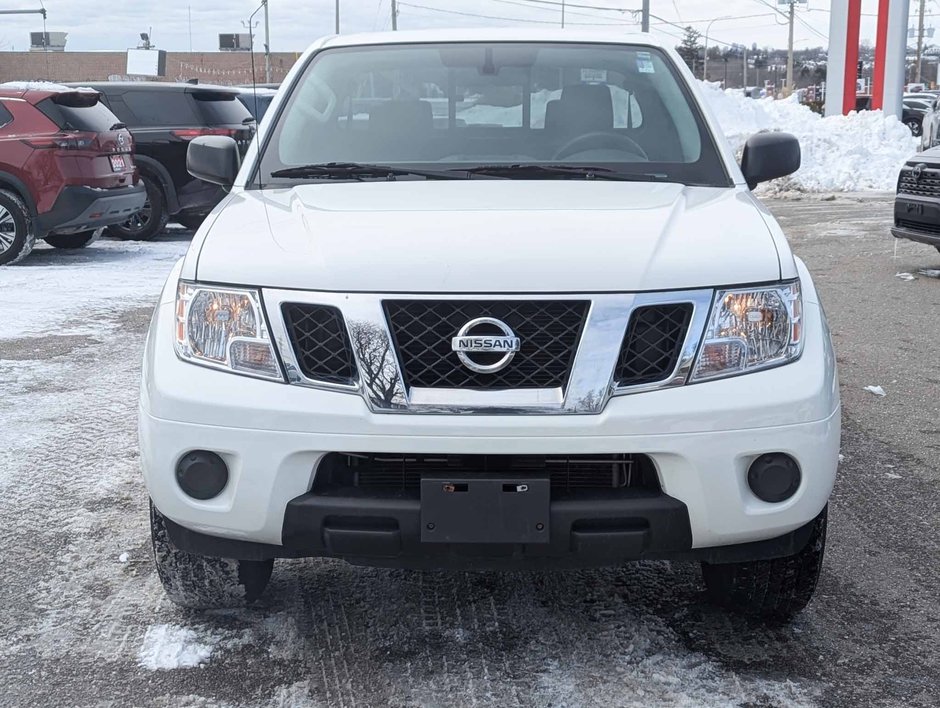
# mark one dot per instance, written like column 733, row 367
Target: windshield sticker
column 594, row 76
column 644, row 63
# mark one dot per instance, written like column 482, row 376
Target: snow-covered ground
column 857, row 152
column 71, row 293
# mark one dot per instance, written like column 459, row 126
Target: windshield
column 457, row 106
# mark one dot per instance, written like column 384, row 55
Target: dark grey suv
column 164, row 118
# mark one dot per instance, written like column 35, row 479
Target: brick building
column 209, row 67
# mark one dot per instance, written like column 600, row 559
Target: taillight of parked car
column 64, row 141
column 190, row 133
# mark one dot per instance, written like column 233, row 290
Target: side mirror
column 769, row 156
column 213, row 158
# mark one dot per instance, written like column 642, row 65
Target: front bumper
column 701, row 439
column 87, row 208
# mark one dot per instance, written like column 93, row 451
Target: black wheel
column 201, row 582
column 772, row 589
column 71, row 241
column 190, row 221
column 150, row 221
column 914, row 126
column 16, row 233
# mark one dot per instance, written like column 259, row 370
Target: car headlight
column 751, row 329
column 224, row 328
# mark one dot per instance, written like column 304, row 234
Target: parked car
column 927, row 103
column 538, row 334
column 163, row 118
column 914, row 112
column 66, row 168
column 256, row 100
column 917, row 203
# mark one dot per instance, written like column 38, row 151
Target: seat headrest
column 407, row 116
column 582, row 108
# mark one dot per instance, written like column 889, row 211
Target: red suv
column 66, row 168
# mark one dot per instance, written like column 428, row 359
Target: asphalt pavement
column 83, row 619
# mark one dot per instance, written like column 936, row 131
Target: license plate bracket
column 485, row 509
column 118, row 163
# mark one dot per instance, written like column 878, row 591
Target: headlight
column 224, row 328
column 751, row 329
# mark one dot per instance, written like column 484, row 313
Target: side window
column 120, row 109
column 161, row 108
column 5, row 116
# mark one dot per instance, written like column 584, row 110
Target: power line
column 522, row 3
column 495, row 17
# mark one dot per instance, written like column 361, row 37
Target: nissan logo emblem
column 485, row 345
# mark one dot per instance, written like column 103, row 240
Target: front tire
column 16, row 233
column 774, row 589
column 73, row 241
column 150, row 221
column 203, row 582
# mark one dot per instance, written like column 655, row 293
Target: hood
column 489, row 236
column 930, row 157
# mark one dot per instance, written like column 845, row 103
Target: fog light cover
column 751, row 329
column 774, row 477
column 224, row 328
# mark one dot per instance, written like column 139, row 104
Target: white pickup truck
column 490, row 299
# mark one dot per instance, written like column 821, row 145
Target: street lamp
column 707, row 29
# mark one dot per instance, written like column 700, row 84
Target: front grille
column 403, row 473
column 918, row 226
column 320, row 342
column 928, row 185
column 653, row 343
column 549, row 331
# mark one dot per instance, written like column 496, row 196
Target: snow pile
column 167, row 646
column 860, row 151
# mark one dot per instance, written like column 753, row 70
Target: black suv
column 163, row 118
column 917, row 204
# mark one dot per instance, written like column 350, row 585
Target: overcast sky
column 181, row 24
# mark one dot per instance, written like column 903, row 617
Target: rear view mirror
column 213, row 158
column 769, row 156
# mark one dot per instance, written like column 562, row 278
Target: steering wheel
column 600, row 140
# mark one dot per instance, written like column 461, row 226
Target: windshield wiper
column 356, row 170
column 524, row 171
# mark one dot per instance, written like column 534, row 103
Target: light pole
column 707, row 29
column 337, row 16
column 267, row 46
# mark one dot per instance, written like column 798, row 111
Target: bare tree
column 376, row 361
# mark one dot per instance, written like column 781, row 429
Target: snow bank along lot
column 860, row 151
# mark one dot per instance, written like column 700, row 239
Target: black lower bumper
column 913, row 234
column 86, row 208
column 583, row 532
column 917, row 218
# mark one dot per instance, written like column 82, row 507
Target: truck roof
column 508, row 34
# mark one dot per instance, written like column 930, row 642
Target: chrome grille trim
column 590, row 385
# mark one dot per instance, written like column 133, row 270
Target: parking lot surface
column 84, row 620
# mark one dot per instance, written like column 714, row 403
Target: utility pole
column 267, row 46
column 394, row 16
column 562, row 14
column 337, row 16
column 789, row 88
column 645, row 16
column 744, row 80
column 920, row 41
